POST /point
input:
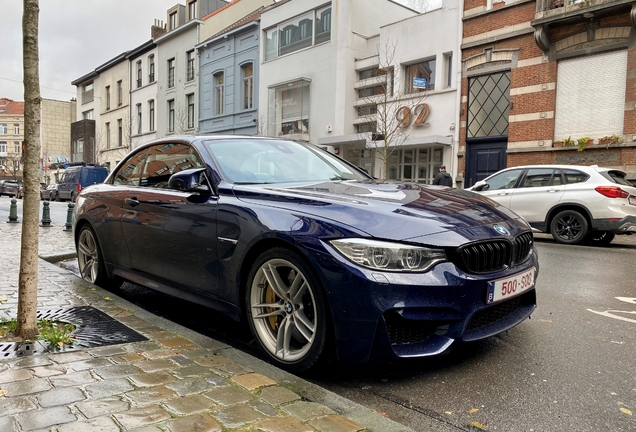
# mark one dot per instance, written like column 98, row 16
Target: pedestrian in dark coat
column 443, row 178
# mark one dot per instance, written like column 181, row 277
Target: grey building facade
column 228, row 79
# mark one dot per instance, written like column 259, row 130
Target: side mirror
column 189, row 181
column 481, row 186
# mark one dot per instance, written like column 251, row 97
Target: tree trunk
column 28, row 282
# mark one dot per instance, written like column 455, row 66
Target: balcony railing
column 87, row 97
column 548, row 5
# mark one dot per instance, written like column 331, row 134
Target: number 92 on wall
column 503, row 289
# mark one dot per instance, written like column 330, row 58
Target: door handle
column 502, row 193
column 551, row 190
column 132, row 202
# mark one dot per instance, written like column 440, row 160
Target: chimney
column 158, row 29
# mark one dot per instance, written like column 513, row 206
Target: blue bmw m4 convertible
column 317, row 256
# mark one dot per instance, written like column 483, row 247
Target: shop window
column 416, row 165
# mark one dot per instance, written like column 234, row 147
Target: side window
column 128, row 174
column 505, row 180
column 537, row 177
column 163, row 160
column 574, row 176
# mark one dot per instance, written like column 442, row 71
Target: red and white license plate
column 503, row 289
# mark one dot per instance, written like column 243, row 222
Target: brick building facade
column 547, row 81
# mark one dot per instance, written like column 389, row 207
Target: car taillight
column 612, row 191
column 79, row 188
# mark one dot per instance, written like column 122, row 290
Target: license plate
column 503, row 289
column 631, row 200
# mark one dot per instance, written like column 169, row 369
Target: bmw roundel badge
column 501, row 230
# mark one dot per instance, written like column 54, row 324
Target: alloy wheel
column 283, row 310
column 88, row 256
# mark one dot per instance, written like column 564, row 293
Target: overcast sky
column 76, row 36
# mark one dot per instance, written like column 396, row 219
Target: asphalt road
column 572, row 367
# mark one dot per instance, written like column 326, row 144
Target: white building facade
column 144, row 75
column 408, row 89
column 307, row 72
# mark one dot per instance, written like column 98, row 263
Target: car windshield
column 261, row 161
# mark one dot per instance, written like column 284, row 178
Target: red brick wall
column 471, row 4
column 517, row 159
column 532, row 130
column 525, row 44
column 499, row 19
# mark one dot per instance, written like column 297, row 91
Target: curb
column 367, row 417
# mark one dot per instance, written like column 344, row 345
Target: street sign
column 420, row 83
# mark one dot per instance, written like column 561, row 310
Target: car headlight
column 385, row 256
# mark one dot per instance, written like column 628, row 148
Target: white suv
column 573, row 203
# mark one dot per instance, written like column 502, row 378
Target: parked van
column 76, row 178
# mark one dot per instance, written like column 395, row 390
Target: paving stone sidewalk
column 177, row 381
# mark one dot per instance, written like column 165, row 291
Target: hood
column 397, row 211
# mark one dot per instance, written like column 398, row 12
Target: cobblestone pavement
column 177, row 381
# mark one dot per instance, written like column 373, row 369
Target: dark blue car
column 315, row 254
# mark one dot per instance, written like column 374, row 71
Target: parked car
column 76, row 178
column 314, row 253
column 8, row 188
column 573, row 203
column 50, row 193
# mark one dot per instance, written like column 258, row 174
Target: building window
column 16, row 129
column 448, row 60
column 370, row 91
column 420, row 76
column 289, row 109
column 488, row 105
column 107, row 98
column 87, row 115
column 151, row 115
column 120, row 133
column 78, row 150
column 366, row 128
column 171, row 115
column 192, row 10
column 16, row 147
column 367, row 110
column 172, row 19
column 107, row 135
column 151, row 68
column 139, row 74
column 247, row 74
column 119, row 93
column 87, row 93
column 138, row 118
column 3, row 147
column 416, row 165
column 3, row 128
column 219, row 93
column 298, row 33
column 190, row 101
column 323, row 25
column 171, row 73
column 190, row 66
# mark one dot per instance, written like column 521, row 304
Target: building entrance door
column 483, row 160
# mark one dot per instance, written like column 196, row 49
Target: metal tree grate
column 94, row 329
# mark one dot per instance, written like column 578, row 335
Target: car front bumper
column 382, row 315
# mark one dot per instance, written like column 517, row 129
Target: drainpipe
column 458, row 103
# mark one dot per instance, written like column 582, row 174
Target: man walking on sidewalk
column 443, row 178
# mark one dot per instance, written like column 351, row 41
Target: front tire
column 287, row 310
column 569, row 227
column 91, row 262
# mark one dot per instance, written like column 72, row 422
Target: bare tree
column 12, row 167
column 419, row 5
column 181, row 126
column 389, row 113
column 28, row 279
column 261, row 126
column 116, row 151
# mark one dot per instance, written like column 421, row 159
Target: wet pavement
column 177, row 380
